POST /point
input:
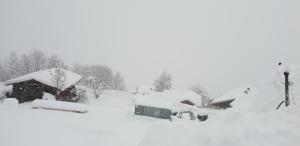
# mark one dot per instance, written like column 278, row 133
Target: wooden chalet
column 32, row 86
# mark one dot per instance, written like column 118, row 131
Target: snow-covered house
column 32, row 86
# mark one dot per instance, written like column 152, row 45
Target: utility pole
column 287, row 83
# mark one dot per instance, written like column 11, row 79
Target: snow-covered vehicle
column 188, row 115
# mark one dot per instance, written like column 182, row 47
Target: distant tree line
column 93, row 76
column 15, row 65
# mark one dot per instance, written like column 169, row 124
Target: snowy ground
column 110, row 121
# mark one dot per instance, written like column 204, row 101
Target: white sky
column 217, row 44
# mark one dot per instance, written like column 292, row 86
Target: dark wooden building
column 33, row 86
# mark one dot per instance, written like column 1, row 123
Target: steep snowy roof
column 45, row 77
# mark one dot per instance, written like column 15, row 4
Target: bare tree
column 118, row 82
column 25, row 65
column 52, row 62
column 163, row 82
column 98, row 87
column 58, row 75
column 12, row 66
column 3, row 73
column 102, row 74
column 38, row 60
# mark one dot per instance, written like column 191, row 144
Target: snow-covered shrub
column 10, row 101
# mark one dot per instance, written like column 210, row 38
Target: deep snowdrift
column 230, row 128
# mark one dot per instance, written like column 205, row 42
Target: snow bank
column 10, row 102
column 45, row 77
column 4, row 89
column 229, row 129
column 59, row 105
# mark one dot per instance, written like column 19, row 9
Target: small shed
column 32, row 86
column 153, row 108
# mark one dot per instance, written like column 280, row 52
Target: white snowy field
column 102, row 125
column 111, row 122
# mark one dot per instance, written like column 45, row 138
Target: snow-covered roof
column 178, row 96
column 45, row 77
column 233, row 94
column 169, row 99
column 158, row 103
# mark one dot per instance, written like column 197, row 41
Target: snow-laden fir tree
column 163, row 82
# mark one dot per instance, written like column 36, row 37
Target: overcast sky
column 219, row 44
